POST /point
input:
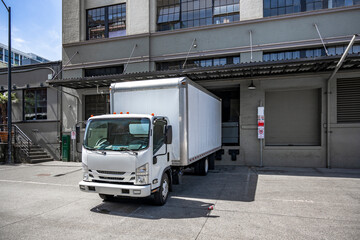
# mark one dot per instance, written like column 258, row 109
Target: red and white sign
column 261, row 123
column 73, row 135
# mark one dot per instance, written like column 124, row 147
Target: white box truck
column 158, row 128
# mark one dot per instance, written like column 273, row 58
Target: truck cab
column 127, row 155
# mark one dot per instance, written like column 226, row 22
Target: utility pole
column 9, row 88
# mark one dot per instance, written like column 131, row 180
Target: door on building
column 230, row 115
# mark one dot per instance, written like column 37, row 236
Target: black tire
column 211, row 158
column 161, row 196
column 202, row 167
column 106, row 197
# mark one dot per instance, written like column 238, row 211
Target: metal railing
column 19, row 139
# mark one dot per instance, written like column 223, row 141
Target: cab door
column 160, row 151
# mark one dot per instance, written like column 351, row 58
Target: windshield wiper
column 95, row 150
column 128, row 150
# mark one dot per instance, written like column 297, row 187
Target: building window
column 293, row 118
column 97, row 105
column 341, row 3
column 106, row 22
column 315, row 4
column 103, row 71
column 168, row 15
column 17, row 59
column 1, row 54
column 178, row 14
column 6, row 56
column 309, row 53
column 280, row 7
column 226, row 11
column 35, row 104
column 348, row 100
column 209, row 62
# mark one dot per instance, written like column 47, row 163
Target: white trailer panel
column 193, row 112
column 204, row 117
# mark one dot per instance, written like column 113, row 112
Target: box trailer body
column 193, row 112
column 171, row 124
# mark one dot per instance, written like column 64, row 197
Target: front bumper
column 115, row 189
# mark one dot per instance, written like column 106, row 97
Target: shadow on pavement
column 175, row 208
column 229, row 183
column 192, row 198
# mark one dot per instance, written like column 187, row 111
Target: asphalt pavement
column 43, row 201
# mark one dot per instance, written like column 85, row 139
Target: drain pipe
column 328, row 127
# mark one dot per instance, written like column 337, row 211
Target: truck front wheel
column 161, row 195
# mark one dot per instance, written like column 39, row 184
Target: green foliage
column 4, row 98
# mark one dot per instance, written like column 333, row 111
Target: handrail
column 22, row 133
column 20, row 138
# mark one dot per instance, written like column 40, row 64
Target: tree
column 3, row 104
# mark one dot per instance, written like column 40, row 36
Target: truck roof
column 146, row 84
column 124, row 115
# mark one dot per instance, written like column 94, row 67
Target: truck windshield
column 117, row 134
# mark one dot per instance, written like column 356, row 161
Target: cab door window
column 159, row 135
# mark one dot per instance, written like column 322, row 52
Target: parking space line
column 38, row 183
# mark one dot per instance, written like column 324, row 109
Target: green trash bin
column 66, row 148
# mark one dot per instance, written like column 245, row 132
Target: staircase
column 32, row 153
column 38, row 155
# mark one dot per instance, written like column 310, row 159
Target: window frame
column 36, row 90
column 106, row 104
column 106, row 21
column 202, row 11
column 164, row 123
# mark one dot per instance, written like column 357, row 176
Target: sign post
column 261, row 131
column 73, row 137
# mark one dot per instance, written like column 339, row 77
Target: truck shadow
column 229, row 183
column 192, row 198
column 175, row 208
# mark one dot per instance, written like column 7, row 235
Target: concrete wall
column 71, row 21
column 251, row 9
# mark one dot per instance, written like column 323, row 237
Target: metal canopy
column 239, row 71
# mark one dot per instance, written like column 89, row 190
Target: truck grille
column 111, row 178
column 115, row 177
column 110, row 172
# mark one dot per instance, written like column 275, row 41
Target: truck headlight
column 85, row 172
column 142, row 174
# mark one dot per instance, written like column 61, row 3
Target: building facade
column 37, row 112
column 18, row 58
column 286, row 49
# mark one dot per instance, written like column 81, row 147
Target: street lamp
column 9, row 86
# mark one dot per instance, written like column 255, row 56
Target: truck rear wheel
column 161, row 195
column 106, row 197
column 202, row 167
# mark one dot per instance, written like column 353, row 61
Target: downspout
column 328, row 127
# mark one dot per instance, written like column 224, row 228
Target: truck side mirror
column 168, row 134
